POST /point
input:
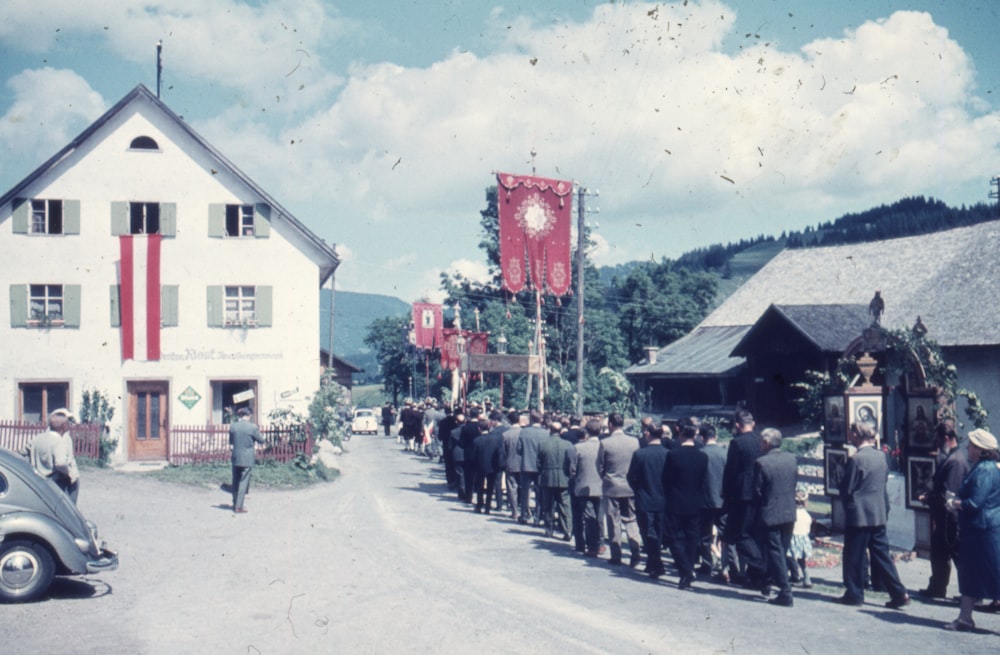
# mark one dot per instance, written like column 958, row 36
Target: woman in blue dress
column 978, row 505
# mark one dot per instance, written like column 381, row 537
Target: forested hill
column 907, row 217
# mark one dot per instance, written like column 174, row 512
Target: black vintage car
column 42, row 533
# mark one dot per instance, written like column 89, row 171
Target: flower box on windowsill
column 246, row 323
column 46, row 321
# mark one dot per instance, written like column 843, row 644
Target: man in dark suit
column 645, row 476
column 458, row 456
column 866, row 509
column 242, row 436
column 953, row 466
column 388, row 413
column 737, row 495
column 775, row 473
column 467, row 438
column 527, row 447
column 713, row 517
column 684, row 487
column 487, row 456
column 554, row 482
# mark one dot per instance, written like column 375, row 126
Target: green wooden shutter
column 169, row 295
column 22, row 210
column 19, row 305
column 216, row 220
column 215, row 306
column 71, row 216
column 120, row 218
column 71, row 305
column 116, row 308
column 262, row 220
column 265, row 303
column 168, row 219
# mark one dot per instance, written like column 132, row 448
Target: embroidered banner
column 476, row 343
column 140, row 296
column 427, row 325
column 534, row 229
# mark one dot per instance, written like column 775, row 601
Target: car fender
column 64, row 546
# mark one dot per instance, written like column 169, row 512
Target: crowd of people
column 734, row 514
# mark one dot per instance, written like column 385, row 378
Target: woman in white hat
column 978, row 507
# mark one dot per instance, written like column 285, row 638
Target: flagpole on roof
column 159, row 65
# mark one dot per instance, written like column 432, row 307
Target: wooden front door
column 148, row 421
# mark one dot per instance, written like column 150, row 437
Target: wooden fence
column 202, row 444
column 18, row 436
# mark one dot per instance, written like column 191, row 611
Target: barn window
column 143, row 143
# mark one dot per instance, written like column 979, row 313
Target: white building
column 238, row 288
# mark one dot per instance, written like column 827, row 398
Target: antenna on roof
column 159, row 65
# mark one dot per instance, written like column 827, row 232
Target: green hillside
column 353, row 313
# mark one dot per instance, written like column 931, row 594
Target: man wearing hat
column 52, row 454
column 242, row 435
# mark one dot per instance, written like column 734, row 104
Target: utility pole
column 159, row 66
column 581, row 260
column 995, row 191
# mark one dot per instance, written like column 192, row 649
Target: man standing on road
column 512, row 468
column 737, row 495
column 585, row 481
column 613, row 460
column 458, row 456
column 866, row 509
column 684, row 473
column 775, row 473
column 487, row 456
column 953, row 466
column 52, row 454
column 713, row 517
column 527, row 447
column 554, row 482
column 242, row 435
column 645, row 476
column 387, row 415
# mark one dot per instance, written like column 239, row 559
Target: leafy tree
column 387, row 337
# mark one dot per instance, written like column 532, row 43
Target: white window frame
column 144, row 208
column 46, row 295
column 40, row 217
column 239, row 305
column 244, row 221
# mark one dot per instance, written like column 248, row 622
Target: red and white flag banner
column 476, row 343
column 427, row 325
column 140, row 296
column 534, row 228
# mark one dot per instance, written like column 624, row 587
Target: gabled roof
column 326, row 253
column 950, row 279
column 829, row 328
column 704, row 351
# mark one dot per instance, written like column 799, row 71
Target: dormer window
column 143, row 143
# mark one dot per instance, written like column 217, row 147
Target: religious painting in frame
column 866, row 409
column 919, row 479
column 834, row 425
column 834, row 464
column 920, row 420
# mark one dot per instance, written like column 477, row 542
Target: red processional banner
column 427, row 325
column 140, row 296
column 534, row 228
column 476, row 343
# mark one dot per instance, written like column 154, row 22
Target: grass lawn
column 265, row 474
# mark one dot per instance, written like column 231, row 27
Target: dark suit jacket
column 684, row 480
column 488, row 452
column 774, row 487
column 862, row 489
column 713, row 477
column 737, row 478
column 242, row 435
column 645, row 476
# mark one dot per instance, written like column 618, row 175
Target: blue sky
column 379, row 123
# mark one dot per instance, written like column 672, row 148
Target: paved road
column 385, row 561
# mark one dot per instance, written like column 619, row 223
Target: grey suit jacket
column 774, row 487
column 581, row 467
column 615, row 456
column 242, row 435
column 862, row 489
column 528, row 442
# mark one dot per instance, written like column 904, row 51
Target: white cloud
column 49, row 108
